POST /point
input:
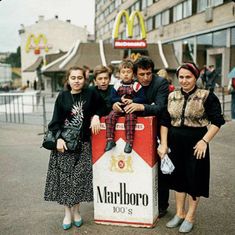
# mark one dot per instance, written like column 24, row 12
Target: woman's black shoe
column 162, row 212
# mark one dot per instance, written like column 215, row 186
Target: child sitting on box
column 123, row 93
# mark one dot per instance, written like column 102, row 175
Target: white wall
column 60, row 35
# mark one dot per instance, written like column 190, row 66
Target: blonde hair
column 102, row 69
column 126, row 63
column 163, row 73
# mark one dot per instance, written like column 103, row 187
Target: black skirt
column 69, row 177
column 191, row 175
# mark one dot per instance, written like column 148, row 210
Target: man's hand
column 130, row 108
column 126, row 100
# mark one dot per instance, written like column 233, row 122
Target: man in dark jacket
column 156, row 92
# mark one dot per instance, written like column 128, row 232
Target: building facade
column 202, row 31
column 5, row 75
column 46, row 37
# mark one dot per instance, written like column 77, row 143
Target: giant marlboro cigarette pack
column 125, row 185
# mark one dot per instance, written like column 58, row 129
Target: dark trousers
column 130, row 122
column 163, row 191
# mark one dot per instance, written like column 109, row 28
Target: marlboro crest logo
column 121, row 163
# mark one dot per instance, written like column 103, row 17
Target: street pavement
column 23, row 167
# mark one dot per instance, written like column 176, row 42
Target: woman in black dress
column 193, row 119
column 69, row 176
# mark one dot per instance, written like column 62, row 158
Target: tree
column 14, row 59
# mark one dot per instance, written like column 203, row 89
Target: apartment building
column 202, row 31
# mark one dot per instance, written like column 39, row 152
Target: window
column 149, row 24
column 232, row 51
column 135, row 7
column 177, row 12
column 111, row 7
column 136, row 31
column 150, row 2
column 219, row 38
column 158, row 20
column 216, row 2
column 117, row 3
column 204, row 42
column 233, row 37
column 165, row 17
column 205, row 39
column 106, row 12
column 187, row 8
column 188, row 49
column 123, row 35
column 201, row 5
column 106, row 28
column 146, row 3
column 111, row 24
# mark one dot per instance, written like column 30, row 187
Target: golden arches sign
column 129, row 43
column 130, row 23
column 36, row 43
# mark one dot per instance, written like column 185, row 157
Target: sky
column 13, row 13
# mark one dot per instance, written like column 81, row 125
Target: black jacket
column 156, row 94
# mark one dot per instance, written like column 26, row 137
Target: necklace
column 80, row 97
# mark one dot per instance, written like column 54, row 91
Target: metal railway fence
column 31, row 107
column 34, row 107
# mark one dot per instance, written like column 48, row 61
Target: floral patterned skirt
column 69, row 177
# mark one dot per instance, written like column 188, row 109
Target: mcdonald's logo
column 129, row 43
column 37, row 43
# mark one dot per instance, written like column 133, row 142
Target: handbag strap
column 71, row 127
column 57, row 134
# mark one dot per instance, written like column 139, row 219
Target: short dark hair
column 143, row 62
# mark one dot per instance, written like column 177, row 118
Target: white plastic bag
column 167, row 166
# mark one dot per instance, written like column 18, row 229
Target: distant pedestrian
column 69, row 177
column 35, row 85
column 231, row 89
column 88, row 76
column 211, row 77
column 164, row 74
column 193, row 119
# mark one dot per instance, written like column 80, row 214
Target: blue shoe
column 174, row 222
column 67, row 226
column 78, row 223
column 186, row 227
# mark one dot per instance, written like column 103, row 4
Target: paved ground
column 23, row 167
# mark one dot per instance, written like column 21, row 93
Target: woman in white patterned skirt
column 69, row 176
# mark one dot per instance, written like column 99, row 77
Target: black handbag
column 50, row 140
column 72, row 138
